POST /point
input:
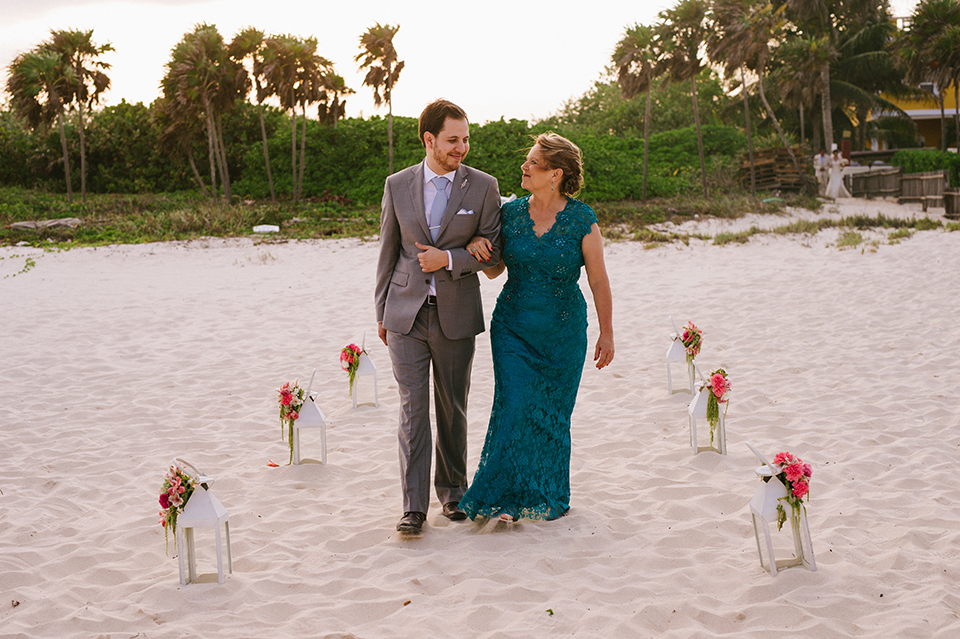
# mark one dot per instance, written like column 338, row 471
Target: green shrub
column 921, row 160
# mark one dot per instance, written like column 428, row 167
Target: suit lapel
column 416, row 195
column 460, row 187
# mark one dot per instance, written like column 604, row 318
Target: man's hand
column 432, row 259
column 382, row 332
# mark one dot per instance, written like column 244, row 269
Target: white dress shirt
column 429, row 195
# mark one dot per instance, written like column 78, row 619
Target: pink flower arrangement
column 719, row 387
column 350, row 361
column 290, row 397
column 176, row 490
column 691, row 337
column 795, row 475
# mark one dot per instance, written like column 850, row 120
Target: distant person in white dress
column 835, row 188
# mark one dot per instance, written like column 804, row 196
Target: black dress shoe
column 411, row 522
column 451, row 510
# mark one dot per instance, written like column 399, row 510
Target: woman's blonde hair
column 560, row 153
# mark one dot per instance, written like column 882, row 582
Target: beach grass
column 155, row 217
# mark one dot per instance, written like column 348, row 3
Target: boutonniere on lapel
column 463, row 184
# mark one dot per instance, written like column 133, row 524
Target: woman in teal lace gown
column 538, row 338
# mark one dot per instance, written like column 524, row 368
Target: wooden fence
column 926, row 188
column 880, row 183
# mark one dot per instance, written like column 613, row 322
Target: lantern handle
column 199, row 477
column 675, row 329
column 773, row 469
column 312, row 375
column 699, row 372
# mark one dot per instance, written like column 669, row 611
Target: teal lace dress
column 539, row 341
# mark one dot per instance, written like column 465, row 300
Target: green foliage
column 21, row 152
column 131, row 219
column 921, row 160
column 122, row 153
column 604, row 110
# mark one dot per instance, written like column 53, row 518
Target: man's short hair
column 435, row 115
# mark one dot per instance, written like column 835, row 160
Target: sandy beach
column 117, row 360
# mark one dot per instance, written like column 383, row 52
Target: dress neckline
column 532, row 225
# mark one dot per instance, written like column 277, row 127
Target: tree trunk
column 827, row 109
column 293, row 160
column 222, row 162
column 196, row 175
column 803, row 132
column 746, row 116
column 83, row 156
column 816, row 131
column 390, row 136
column 211, row 152
column 646, row 140
column 696, row 119
column 943, row 126
column 303, row 147
column 66, row 156
column 266, row 154
column 776, row 124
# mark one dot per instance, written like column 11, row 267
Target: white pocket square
column 464, row 212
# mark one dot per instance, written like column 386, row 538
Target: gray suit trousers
column 412, row 354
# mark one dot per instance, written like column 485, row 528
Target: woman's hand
column 480, row 248
column 603, row 354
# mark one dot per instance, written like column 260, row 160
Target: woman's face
column 536, row 175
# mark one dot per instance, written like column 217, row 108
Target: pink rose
column 164, row 500
column 294, row 415
column 782, row 458
column 794, row 471
column 286, row 399
column 807, row 470
column 800, row 489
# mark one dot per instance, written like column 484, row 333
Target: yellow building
column 926, row 114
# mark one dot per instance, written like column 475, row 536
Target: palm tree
column 295, row 74
column 181, row 130
column 679, row 36
column 332, row 108
column 77, row 50
column 39, row 85
column 201, row 76
column 796, row 74
column 925, row 49
column 636, row 59
column 379, row 57
column 742, row 35
column 729, row 42
column 250, row 43
column 947, row 48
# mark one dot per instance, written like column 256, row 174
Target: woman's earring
column 551, row 185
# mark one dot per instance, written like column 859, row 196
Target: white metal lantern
column 310, row 416
column 763, row 511
column 202, row 510
column 676, row 363
column 700, row 427
column 365, row 368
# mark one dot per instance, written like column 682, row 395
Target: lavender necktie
column 439, row 206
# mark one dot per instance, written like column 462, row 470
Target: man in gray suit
column 428, row 303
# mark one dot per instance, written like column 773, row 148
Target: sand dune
column 117, row 360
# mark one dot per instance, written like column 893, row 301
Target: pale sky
column 495, row 58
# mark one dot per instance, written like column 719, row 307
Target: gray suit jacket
column 402, row 287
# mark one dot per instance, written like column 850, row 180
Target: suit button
column 426, row 281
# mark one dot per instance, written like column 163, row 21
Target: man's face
column 446, row 150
